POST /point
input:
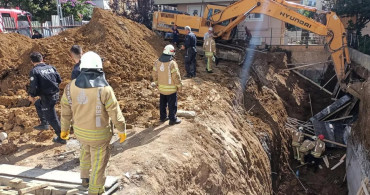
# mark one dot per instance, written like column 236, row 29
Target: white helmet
column 91, row 60
column 169, row 50
column 314, row 138
column 300, row 129
column 210, row 29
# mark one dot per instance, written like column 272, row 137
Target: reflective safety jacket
column 209, row 45
column 297, row 138
column 306, row 146
column 91, row 110
column 167, row 77
column 318, row 149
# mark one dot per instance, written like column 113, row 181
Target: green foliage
column 364, row 44
column 358, row 9
column 42, row 10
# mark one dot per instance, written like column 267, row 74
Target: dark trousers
column 45, row 107
column 171, row 101
column 190, row 62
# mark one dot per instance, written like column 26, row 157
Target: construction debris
column 339, row 163
column 186, row 114
column 3, row 136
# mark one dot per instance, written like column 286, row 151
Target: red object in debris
column 321, row 137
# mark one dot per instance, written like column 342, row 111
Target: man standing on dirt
column 190, row 52
column 209, row 47
column 44, row 82
column 318, row 150
column 297, row 141
column 166, row 76
column 76, row 53
column 90, row 103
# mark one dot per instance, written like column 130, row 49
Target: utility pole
column 60, row 13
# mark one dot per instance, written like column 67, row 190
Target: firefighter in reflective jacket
column 319, row 147
column 297, row 141
column 305, row 149
column 90, row 103
column 166, row 76
column 209, row 47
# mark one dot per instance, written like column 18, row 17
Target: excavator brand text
column 297, row 20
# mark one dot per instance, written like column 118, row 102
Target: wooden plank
column 32, row 188
column 67, row 177
column 311, row 81
column 73, row 191
column 16, row 181
column 329, row 141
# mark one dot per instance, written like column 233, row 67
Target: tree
column 358, row 10
column 42, row 10
column 137, row 10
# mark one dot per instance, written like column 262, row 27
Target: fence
column 48, row 28
column 276, row 38
column 360, row 43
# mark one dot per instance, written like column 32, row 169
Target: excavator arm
column 282, row 10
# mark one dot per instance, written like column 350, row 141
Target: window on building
column 5, row 15
column 254, row 17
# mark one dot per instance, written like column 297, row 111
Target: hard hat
column 300, row 129
column 321, row 137
column 169, row 50
column 91, row 60
column 210, row 28
column 314, row 138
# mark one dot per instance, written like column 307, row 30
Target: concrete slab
column 48, row 175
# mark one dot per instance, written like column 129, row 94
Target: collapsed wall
column 237, row 144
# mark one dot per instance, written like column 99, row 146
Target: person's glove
column 122, row 136
column 64, row 135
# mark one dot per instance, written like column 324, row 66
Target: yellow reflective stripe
column 95, row 168
column 99, row 162
column 174, row 70
column 168, row 90
column 155, row 68
column 178, row 86
column 108, row 103
column 167, row 86
column 64, row 100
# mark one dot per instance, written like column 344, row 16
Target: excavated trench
column 237, row 143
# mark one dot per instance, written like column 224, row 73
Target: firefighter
column 76, row 53
column 44, row 82
column 318, row 150
column 166, row 76
column 190, row 53
column 297, row 141
column 208, row 34
column 209, row 47
column 90, row 103
column 305, row 149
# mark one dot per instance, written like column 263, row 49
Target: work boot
column 42, row 127
column 85, row 182
column 177, row 121
column 59, row 140
column 164, row 120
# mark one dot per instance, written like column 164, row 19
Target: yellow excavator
column 225, row 19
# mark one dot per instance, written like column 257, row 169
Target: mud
column 237, row 144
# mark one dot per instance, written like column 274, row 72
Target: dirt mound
column 129, row 50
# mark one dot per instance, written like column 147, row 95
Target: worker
column 208, row 34
column 297, row 141
column 305, row 149
column 166, row 76
column 318, row 150
column 36, row 35
column 44, row 82
column 248, row 35
column 209, row 47
column 76, row 54
column 175, row 35
column 190, row 53
column 90, row 103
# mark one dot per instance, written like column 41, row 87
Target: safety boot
column 59, row 140
column 85, row 182
column 177, row 121
column 42, row 127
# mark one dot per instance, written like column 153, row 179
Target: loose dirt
column 237, row 144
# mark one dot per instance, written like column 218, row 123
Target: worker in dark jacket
column 44, row 82
column 190, row 53
column 76, row 54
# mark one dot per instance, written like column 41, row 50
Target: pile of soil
column 129, row 51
